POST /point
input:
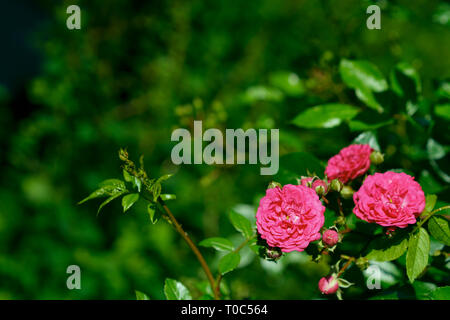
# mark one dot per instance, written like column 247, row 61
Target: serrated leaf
column 141, row 296
column 241, row 224
column 229, row 262
column 175, row 290
column 417, row 255
column 325, row 116
column 220, row 244
column 129, row 200
column 439, row 229
column 388, row 249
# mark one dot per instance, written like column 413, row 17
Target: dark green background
column 136, row 71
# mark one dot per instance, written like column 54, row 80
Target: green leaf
column 417, row 255
column 241, row 224
column 141, row 296
column 109, row 187
column 368, row 137
column 262, row 93
column 369, row 120
column 164, row 177
column 428, row 183
column 153, row 213
column 229, row 262
column 441, row 293
column 166, row 197
column 294, row 165
column 443, row 111
column 430, row 202
column 435, row 150
column 128, row 178
column 104, row 203
column 385, row 249
column 368, row 97
column 175, row 290
column 423, row 290
column 325, row 116
column 129, row 200
column 439, row 229
column 359, row 74
column 288, row 82
column 96, row 194
column 405, row 81
column 220, row 244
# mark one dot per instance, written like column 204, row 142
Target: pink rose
column 389, row 199
column 328, row 285
column 290, row 218
column 350, row 163
column 330, row 238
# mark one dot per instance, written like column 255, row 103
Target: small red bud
column 328, row 285
column 330, row 237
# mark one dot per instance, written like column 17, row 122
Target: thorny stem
column 191, row 245
column 130, row 167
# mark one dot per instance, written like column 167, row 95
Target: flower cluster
column 290, row 217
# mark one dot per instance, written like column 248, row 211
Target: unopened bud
column 320, row 187
column 272, row 253
column 362, row 263
column 347, row 192
column 330, row 238
column 274, row 184
column 123, row 155
column 376, row 158
column 305, row 181
column 336, row 185
column 329, row 285
column 340, row 221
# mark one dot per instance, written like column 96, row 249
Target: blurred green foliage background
column 136, row 71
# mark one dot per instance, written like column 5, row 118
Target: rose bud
column 376, row 158
column 274, row 184
column 336, row 185
column 330, row 237
column 320, row 187
column 347, row 192
column 328, row 285
column 306, row 181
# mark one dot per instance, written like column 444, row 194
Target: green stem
column 219, row 277
column 429, row 216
